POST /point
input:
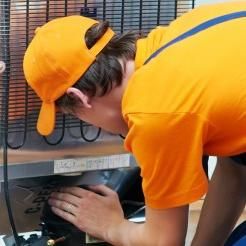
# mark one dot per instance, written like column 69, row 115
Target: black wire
column 122, row 16
column 83, row 134
column 26, row 87
column 66, row 7
column 62, row 133
column 158, row 12
column 123, row 137
column 6, row 194
column 47, row 10
column 176, row 9
column 5, row 29
column 193, row 4
column 104, row 10
column 140, row 14
column 23, row 141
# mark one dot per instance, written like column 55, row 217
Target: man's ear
column 79, row 95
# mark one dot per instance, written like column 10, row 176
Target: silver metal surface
column 37, row 158
column 29, row 195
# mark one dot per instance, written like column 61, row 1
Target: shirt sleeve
column 169, row 149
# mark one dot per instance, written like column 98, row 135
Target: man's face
column 104, row 111
column 102, row 116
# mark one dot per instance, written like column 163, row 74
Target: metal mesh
column 19, row 18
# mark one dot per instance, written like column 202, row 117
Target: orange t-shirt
column 188, row 101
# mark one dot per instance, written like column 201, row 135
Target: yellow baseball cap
column 56, row 58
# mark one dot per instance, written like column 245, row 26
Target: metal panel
column 18, row 103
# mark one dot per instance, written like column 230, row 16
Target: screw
column 52, row 242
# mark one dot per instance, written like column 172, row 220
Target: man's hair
column 106, row 72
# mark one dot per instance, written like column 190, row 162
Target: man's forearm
column 127, row 234
column 223, row 204
column 133, row 234
column 165, row 227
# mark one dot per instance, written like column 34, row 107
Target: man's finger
column 61, row 213
column 65, row 197
column 102, row 189
column 65, row 206
column 76, row 191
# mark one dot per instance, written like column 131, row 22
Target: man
column 178, row 94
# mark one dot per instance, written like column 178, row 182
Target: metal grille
column 19, row 18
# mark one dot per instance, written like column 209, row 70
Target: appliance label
column 91, row 163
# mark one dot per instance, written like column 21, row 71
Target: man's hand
column 101, row 216
column 95, row 214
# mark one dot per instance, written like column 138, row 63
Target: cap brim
column 46, row 119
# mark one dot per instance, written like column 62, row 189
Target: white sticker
column 89, row 239
column 92, row 163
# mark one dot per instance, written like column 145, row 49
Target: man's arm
column 102, row 217
column 162, row 227
column 223, row 204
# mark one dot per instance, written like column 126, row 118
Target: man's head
column 73, row 52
